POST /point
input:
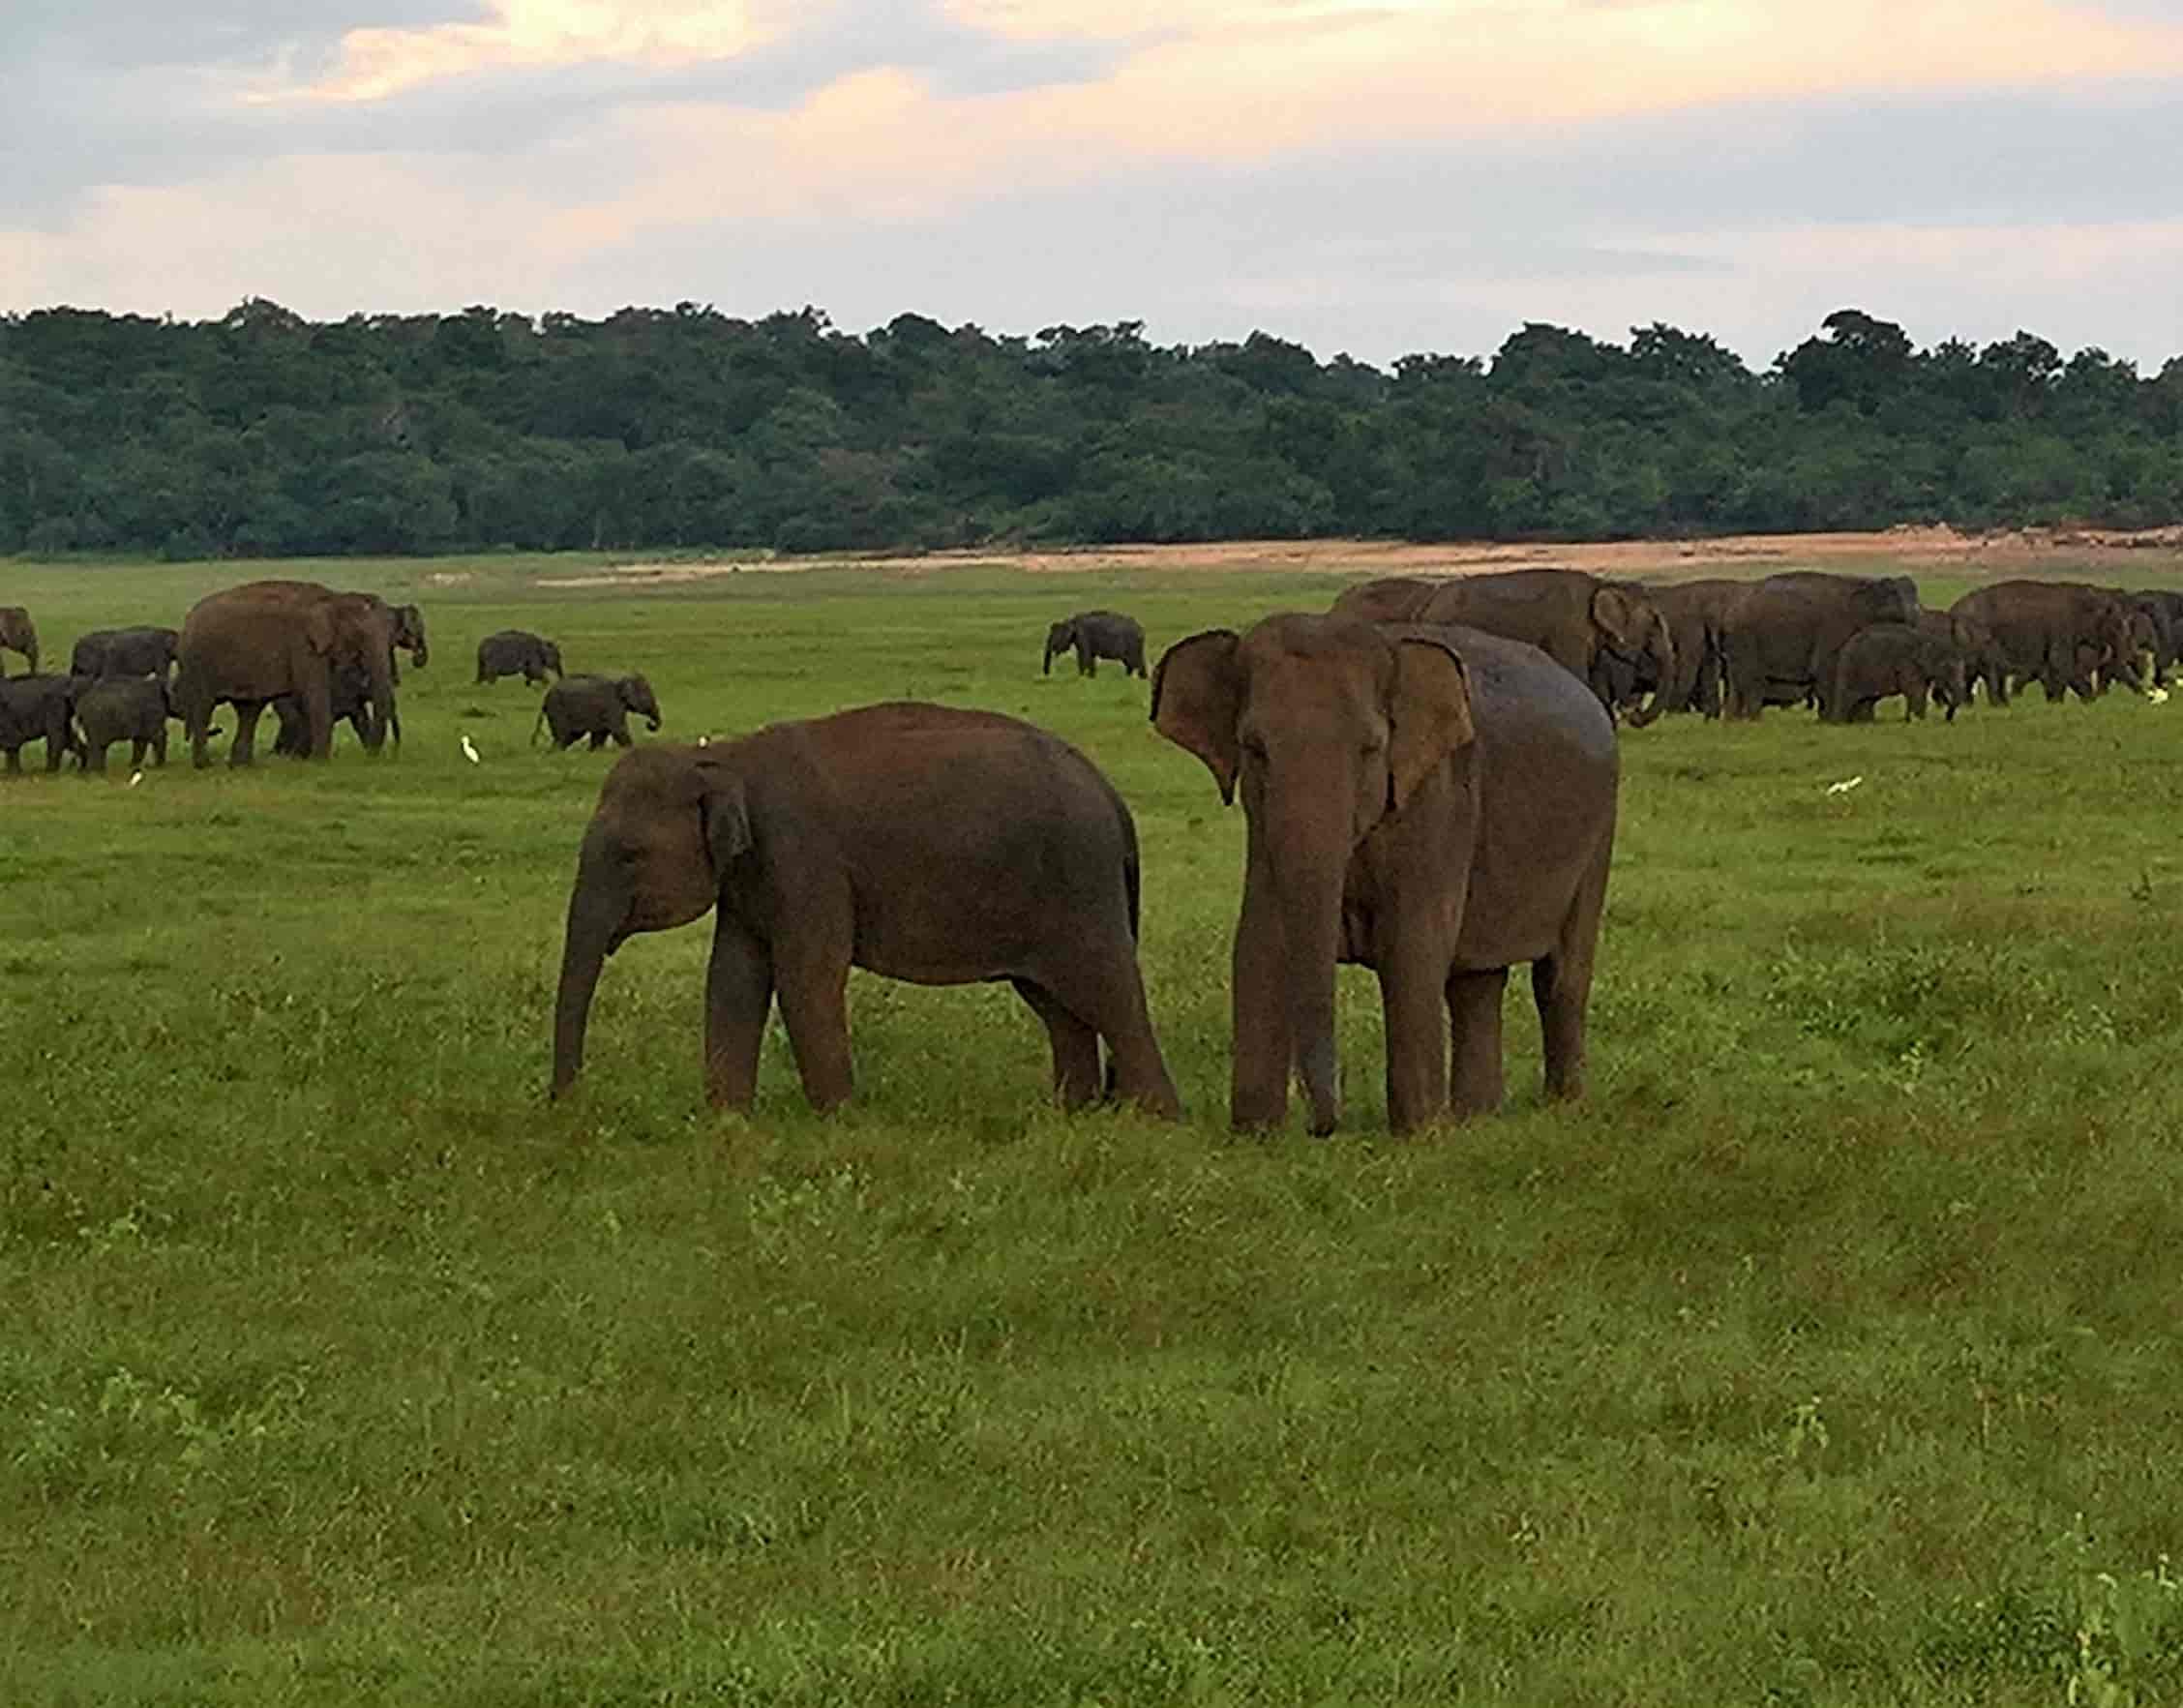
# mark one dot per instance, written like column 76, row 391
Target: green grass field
column 1828, row 1354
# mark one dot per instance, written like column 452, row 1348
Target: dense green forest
column 263, row 434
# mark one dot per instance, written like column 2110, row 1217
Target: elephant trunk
column 1660, row 651
column 1308, row 875
column 598, row 909
column 1046, row 664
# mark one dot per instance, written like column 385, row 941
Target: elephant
column 19, row 634
column 1096, row 635
column 39, row 709
column 1896, row 658
column 2060, row 632
column 125, row 652
column 516, row 652
column 921, row 842
column 1431, row 801
column 1696, row 614
column 349, row 699
column 1783, row 637
column 408, row 632
column 123, row 709
column 597, row 707
column 254, row 643
column 2167, row 609
column 1593, row 628
column 1982, row 653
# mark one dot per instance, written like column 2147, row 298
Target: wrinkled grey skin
column 1896, row 658
column 515, row 652
column 348, row 701
column 19, row 634
column 870, row 839
column 1094, row 635
column 595, row 706
column 1782, row 638
column 38, row 709
column 1430, row 801
column 134, row 709
column 125, row 652
column 1982, row 653
column 2062, row 633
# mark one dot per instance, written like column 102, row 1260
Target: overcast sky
column 1375, row 176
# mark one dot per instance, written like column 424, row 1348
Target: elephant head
column 1059, row 638
column 409, row 634
column 635, row 693
column 2123, row 635
column 1631, row 626
column 1329, row 727
column 19, row 634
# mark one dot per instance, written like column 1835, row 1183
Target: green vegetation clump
column 1825, row 1354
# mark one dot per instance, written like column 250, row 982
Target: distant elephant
column 19, row 634
column 257, row 643
column 1096, row 635
column 1603, row 633
column 1784, row 635
column 126, row 708
column 38, row 709
column 516, row 652
column 2060, row 632
column 597, row 707
column 350, row 699
column 406, row 633
column 1696, row 615
column 1983, row 661
column 2152, row 640
column 871, row 838
column 1892, row 658
column 1434, row 802
column 125, row 652
column 2168, row 608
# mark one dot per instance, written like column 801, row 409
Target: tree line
column 263, row 434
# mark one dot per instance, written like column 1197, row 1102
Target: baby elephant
column 1097, row 635
column 38, row 709
column 518, row 652
column 597, row 707
column 1896, row 658
column 870, row 839
column 124, row 708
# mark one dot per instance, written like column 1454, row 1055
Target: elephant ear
column 1620, row 616
column 1197, row 697
column 1431, row 716
column 724, row 810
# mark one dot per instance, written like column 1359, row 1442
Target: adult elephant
column 1783, row 638
column 2059, row 632
column 1696, row 614
column 512, row 652
column 870, row 839
column 1982, row 653
column 1605, row 634
column 1433, row 802
column 125, row 652
column 252, row 644
column 1094, row 635
column 19, row 634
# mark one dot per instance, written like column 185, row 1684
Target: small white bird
column 1846, row 785
column 469, row 751
column 704, row 741
column 134, row 778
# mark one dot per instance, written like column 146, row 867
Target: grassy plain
column 1829, row 1354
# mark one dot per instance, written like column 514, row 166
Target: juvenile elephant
column 125, row 652
column 1696, row 615
column 252, row 644
column 1896, row 658
column 1785, row 634
column 870, row 839
column 38, row 709
column 1605, row 634
column 123, row 709
column 2060, row 632
column 516, row 652
column 597, row 707
column 350, row 699
column 19, row 634
column 1094, row 635
column 1982, row 653
column 1433, row 802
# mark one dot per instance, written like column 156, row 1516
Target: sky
column 1376, row 177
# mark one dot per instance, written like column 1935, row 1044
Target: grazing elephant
column 2167, row 609
column 1096, row 635
column 1982, row 653
column 254, row 643
column 123, row 709
column 1782, row 638
column 1696, row 615
column 2060, row 632
column 1433, row 802
column 38, row 709
column 350, row 699
column 1605, row 634
column 19, row 634
column 597, row 707
column 1896, row 658
column 125, row 652
column 516, row 652
column 870, row 839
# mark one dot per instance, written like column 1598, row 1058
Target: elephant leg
column 738, row 994
column 810, row 979
column 1561, row 987
column 247, row 713
column 1913, row 701
column 15, row 762
column 1103, row 989
column 1414, row 991
column 1263, row 1043
column 1076, row 1046
column 1474, row 1021
column 598, row 740
column 93, row 755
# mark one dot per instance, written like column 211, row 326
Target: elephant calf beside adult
column 920, row 842
column 2062, row 633
column 134, row 709
column 38, row 709
column 1433, row 802
column 1782, row 638
column 1608, row 635
column 595, row 706
column 1892, row 658
column 125, row 652
column 513, row 652
column 1094, row 635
